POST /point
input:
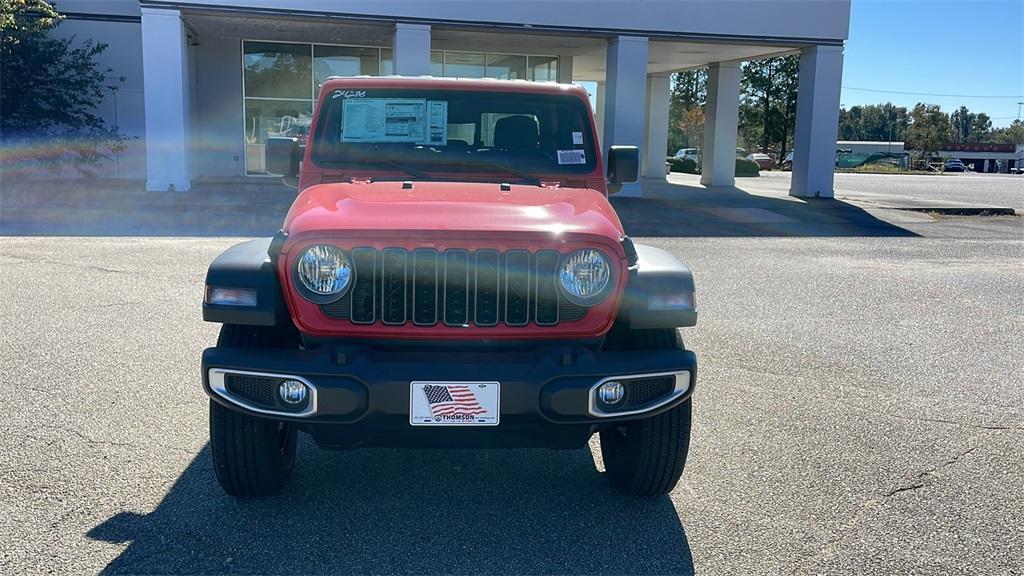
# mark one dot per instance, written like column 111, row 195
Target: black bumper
column 362, row 393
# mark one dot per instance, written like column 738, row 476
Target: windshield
column 512, row 135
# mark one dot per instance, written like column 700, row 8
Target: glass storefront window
column 264, row 118
column 344, row 61
column 505, row 67
column 436, row 63
column 387, row 63
column 465, row 65
column 277, row 70
column 544, row 68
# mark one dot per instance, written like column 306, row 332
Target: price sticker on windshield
column 572, row 157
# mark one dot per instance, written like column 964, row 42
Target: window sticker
column 384, row 120
column 413, row 120
column 577, row 138
column 437, row 117
column 572, row 157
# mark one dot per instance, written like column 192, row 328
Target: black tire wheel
column 645, row 458
column 252, row 457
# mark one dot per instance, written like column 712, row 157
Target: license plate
column 453, row 403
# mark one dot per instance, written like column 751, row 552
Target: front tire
column 645, row 458
column 252, row 457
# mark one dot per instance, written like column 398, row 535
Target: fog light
column 292, row 392
column 611, row 392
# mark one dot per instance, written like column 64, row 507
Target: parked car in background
column 787, row 162
column 954, row 165
column 741, row 152
column 691, row 153
column 763, row 160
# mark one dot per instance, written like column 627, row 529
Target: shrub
column 685, row 165
column 746, row 167
column 53, row 92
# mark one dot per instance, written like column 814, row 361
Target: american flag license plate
column 454, row 403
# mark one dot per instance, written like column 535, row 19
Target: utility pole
column 1019, row 104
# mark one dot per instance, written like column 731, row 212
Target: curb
column 960, row 211
column 963, row 210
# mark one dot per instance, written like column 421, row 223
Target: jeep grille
column 455, row 288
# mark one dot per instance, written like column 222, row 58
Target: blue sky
column 966, row 47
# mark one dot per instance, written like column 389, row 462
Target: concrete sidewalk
column 110, row 207
column 951, row 194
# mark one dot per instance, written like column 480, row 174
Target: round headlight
column 585, row 277
column 323, row 273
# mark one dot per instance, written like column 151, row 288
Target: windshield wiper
column 474, row 162
column 386, row 164
column 524, row 176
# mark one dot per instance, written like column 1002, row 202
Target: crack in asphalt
column 925, row 478
column 928, row 477
column 25, row 260
column 955, row 423
column 94, row 442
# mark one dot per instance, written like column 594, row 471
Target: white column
column 412, row 49
column 564, row 75
column 599, row 110
column 626, row 93
column 721, row 121
column 166, row 96
column 817, row 121
column 657, row 126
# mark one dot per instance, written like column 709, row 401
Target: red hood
column 452, row 206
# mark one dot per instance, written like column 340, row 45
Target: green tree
column 874, row 123
column 1012, row 134
column 57, row 89
column 689, row 92
column 768, row 102
column 929, row 130
column 961, row 121
column 981, row 129
column 969, row 127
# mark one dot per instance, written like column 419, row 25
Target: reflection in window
column 387, row 63
column 344, row 61
column 464, row 133
column 544, row 68
column 266, row 118
column 277, row 70
column 464, row 65
column 505, row 67
column 436, row 63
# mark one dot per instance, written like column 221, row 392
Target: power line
column 929, row 93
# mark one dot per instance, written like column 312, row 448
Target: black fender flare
column 249, row 266
column 658, row 273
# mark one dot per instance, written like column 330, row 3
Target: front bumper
column 362, row 392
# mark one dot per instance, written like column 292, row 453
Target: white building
column 986, row 157
column 207, row 80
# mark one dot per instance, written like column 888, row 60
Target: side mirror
column 623, row 164
column 283, row 155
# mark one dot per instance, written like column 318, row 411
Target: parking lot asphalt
column 860, row 409
column 948, row 189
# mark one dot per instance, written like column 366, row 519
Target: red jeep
column 450, row 275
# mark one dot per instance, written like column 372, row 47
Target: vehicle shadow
column 673, row 209
column 424, row 511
